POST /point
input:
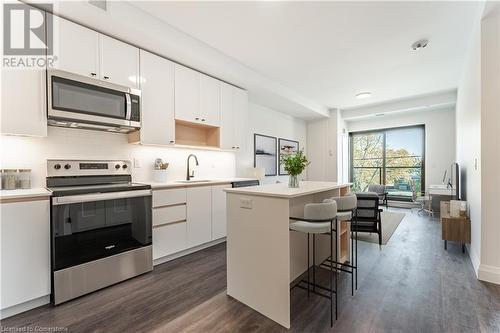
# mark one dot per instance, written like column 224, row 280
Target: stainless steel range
column 101, row 226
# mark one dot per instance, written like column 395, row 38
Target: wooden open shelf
column 190, row 134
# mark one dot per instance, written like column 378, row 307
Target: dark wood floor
column 411, row 285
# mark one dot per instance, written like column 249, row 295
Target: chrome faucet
column 189, row 175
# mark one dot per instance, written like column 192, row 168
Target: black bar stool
column 319, row 218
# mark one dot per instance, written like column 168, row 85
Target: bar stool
column 346, row 212
column 319, row 218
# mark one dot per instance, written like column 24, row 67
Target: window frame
column 383, row 172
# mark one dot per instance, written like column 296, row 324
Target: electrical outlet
column 246, row 203
column 137, row 163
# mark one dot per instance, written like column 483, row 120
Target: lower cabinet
column 219, row 211
column 199, row 215
column 184, row 218
column 169, row 238
column 25, row 251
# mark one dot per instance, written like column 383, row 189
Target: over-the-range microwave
column 80, row 102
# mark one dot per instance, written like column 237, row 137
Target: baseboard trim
column 489, row 274
column 23, row 307
column 474, row 258
column 187, row 251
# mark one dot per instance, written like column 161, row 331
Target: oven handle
column 70, row 199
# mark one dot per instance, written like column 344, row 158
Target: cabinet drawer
column 169, row 197
column 164, row 215
column 169, row 239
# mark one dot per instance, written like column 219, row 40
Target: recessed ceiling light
column 364, row 94
column 419, row 44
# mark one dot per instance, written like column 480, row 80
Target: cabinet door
column 78, row 48
column 187, row 94
column 25, row 252
column 169, row 239
column 23, row 105
column 226, row 117
column 199, row 215
column 157, row 96
column 209, row 100
column 240, row 114
column 219, row 211
column 119, row 62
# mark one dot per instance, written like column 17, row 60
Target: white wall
column 32, row 153
column 262, row 120
column 468, row 140
column 489, row 269
column 322, row 136
column 478, row 137
column 439, row 136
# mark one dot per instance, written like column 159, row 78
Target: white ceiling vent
column 101, row 4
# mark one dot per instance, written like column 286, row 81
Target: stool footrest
column 312, row 285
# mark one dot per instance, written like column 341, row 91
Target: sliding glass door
column 394, row 157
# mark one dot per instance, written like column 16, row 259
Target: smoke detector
column 420, row 44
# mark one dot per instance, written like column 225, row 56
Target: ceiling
column 329, row 51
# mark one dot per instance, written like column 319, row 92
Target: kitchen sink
column 193, row 181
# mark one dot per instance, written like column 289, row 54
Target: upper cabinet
column 77, row 48
column 197, row 97
column 157, row 98
column 209, row 100
column 187, row 94
column 234, row 117
column 119, row 62
column 86, row 52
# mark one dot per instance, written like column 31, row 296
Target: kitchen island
column 263, row 256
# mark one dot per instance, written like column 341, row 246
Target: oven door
column 80, row 99
column 88, row 227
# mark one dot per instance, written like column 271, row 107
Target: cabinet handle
column 172, row 141
column 93, row 74
column 202, row 119
column 238, row 147
column 196, row 118
column 106, row 77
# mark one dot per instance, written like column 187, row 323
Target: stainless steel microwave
column 80, row 102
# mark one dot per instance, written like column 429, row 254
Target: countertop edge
column 160, row 186
column 25, row 195
column 248, row 191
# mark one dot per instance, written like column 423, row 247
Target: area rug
column 390, row 222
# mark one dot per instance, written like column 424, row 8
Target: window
column 394, row 157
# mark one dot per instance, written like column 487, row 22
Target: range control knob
column 117, row 166
column 57, row 166
column 124, row 166
column 67, row 166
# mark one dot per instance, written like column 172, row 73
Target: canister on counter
column 24, row 179
column 9, row 179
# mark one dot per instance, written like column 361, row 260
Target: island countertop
column 281, row 190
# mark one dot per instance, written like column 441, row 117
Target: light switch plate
column 137, row 163
column 246, row 203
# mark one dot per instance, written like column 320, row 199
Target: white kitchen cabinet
column 187, row 94
column 157, row 96
column 226, row 117
column 234, row 117
column 219, row 220
column 240, row 117
column 209, row 100
column 199, row 215
column 119, row 62
column 76, row 48
column 25, row 251
column 23, row 107
column 169, row 239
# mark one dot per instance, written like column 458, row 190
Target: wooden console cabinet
column 456, row 229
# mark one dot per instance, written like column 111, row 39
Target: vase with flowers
column 294, row 164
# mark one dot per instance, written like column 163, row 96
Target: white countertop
column 23, row 194
column 174, row 184
column 282, row 190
